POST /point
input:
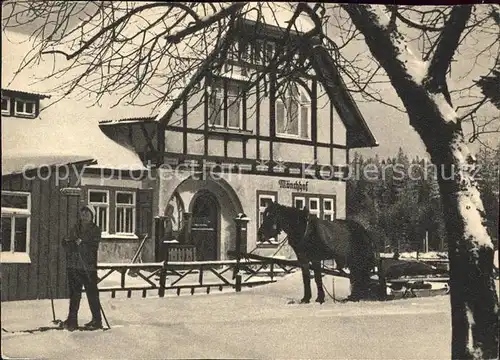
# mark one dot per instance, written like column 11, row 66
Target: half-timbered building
column 227, row 142
column 233, row 141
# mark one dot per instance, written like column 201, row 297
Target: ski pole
column 54, row 320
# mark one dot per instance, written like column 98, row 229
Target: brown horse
column 313, row 240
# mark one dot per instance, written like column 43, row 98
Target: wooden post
column 382, row 281
column 238, row 283
column 241, row 223
column 159, row 230
column 333, row 289
column 163, row 280
column 186, row 228
column 122, row 282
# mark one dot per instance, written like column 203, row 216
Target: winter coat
column 83, row 256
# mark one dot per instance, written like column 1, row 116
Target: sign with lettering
column 294, row 185
column 70, row 191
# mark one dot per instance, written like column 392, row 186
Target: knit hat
column 89, row 208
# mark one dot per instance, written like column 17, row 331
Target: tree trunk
column 473, row 297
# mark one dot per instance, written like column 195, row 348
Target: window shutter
column 218, row 109
column 304, row 121
column 144, row 212
column 280, row 116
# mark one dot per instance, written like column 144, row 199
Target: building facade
column 234, row 140
column 38, row 210
column 233, row 144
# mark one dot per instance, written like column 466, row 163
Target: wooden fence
column 178, row 276
column 181, row 253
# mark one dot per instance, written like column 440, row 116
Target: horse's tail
column 367, row 245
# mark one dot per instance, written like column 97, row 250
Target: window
column 328, row 209
column 125, row 213
column 5, row 105
column 177, row 214
column 314, row 206
column 233, row 51
column 234, row 107
column 25, row 108
column 299, row 203
column 99, row 199
column 293, row 112
column 116, row 211
column 16, row 216
column 215, row 107
column 269, row 51
column 263, row 200
column 321, row 206
column 258, row 51
column 244, row 50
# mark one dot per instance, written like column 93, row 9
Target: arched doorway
column 204, row 226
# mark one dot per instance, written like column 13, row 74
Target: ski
column 48, row 328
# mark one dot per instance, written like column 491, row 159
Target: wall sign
column 295, row 185
column 70, row 191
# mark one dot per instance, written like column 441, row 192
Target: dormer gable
column 21, row 104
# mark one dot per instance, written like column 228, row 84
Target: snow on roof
column 68, row 126
column 72, row 123
column 277, row 14
column 45, row 136
column 19, row 163
column 127, row 121
column 11, row 92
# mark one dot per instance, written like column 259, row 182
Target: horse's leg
column 306, row 279
column 316, row 266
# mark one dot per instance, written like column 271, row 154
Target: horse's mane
column 289, row 210
column 291, row 216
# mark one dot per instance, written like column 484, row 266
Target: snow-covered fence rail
column 161, row 277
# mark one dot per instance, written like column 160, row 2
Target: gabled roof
column 358, row 133
column 77, row 122
column 276, row 16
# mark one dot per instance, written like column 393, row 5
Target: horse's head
column 271, row 225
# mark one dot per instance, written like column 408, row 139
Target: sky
column 390, row 127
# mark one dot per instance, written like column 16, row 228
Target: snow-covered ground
column 257, row 323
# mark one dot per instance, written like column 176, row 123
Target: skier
column 81, row 263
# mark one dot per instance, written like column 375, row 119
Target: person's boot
column 93, row 325
column 70, row 324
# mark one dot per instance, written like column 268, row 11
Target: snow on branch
column 205, row 22
column 374, row 24
column 490, row 86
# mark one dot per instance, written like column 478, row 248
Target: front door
column 204, row 233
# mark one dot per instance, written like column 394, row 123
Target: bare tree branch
column 445, row 49
column 112, row 25
column 417, row 25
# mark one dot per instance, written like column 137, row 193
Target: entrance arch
column 205, row 225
